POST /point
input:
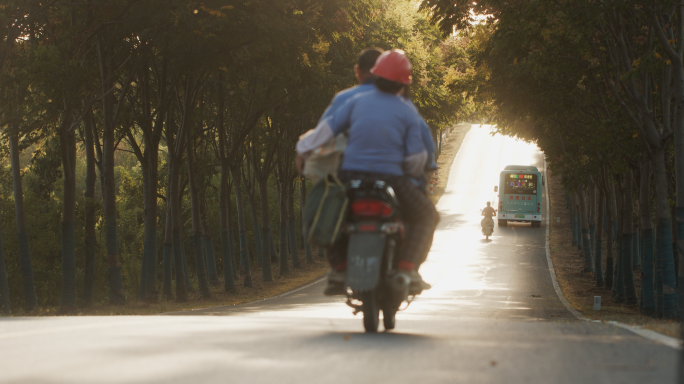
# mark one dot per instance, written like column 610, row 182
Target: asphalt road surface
column 493, row 316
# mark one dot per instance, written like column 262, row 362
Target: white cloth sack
column 325, row 159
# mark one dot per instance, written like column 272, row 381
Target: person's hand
column 299, row 163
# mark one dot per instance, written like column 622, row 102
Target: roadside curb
column 654, row 336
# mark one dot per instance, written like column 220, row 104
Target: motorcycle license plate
column 519, row 216
column 364, row 259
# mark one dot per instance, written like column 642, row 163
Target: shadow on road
column 379, row 340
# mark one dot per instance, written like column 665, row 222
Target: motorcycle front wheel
column 371, row 311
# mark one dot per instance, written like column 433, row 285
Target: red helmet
column 394, row 66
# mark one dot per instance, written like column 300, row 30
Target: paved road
column 492, row 317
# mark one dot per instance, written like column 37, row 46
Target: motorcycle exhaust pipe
column 399, row 286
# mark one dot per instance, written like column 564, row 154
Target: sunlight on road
column 460, row 258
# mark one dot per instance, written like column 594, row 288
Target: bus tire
column 503, row 223
column 536, row 224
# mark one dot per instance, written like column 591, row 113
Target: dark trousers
column 417, row 212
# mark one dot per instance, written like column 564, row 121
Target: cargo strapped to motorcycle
column 325, row 211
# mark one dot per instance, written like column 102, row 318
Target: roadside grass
column 580, row 287
column 260, row 290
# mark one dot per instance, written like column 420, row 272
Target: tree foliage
column 137, row 88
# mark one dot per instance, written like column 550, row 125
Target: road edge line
column 185, row 311
column 651, row 335
column 292, row 290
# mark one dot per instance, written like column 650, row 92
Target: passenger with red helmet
column 384, row 143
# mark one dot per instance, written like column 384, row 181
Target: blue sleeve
column 427, row 136
column 414, row 136
column 425, row 131
column 336, row 102
column 340, row 119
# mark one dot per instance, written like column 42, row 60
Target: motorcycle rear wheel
column 371, row 312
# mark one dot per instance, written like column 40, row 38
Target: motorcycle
column 374, row 230
column 487, row 227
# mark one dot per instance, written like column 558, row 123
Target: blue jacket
column 342, row 96
column 383, row 130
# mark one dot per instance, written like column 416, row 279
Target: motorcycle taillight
column 370, row 208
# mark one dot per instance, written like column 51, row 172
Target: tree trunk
column 578, row 221
column 592, row 202
column 271, row 241
column 619, row 287
column 598, row 240
column 282, row 204
column 610, row 267
column 646, row 224
column 673, row 223
column 586, row 237
column 230, row 273
column 227, row 256
column 117, row 293
column 5, row 307
column 258, row 242
column 573, row 224
column 30, row 299
column 68, row 150
column 90, row 217
column 266, row 273
column 664, row 239
column 200, row 267
column 302, row 202
column 636, row 248
column 291, row 226
column 167, row 262
column 150, row 185
column 209, row 251
column 627, row 243
column 233, row 258
column 244, row 251
column 176, row 235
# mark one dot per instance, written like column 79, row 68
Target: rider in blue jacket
column 385, row 143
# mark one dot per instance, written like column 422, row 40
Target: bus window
column 520, row 184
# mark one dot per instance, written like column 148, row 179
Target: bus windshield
column 520, row 184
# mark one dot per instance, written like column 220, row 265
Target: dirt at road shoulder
column 451, row 143
column 579, row 287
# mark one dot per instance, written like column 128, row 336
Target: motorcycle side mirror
column 496, row 188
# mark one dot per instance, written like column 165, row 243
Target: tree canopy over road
column 134, row 131
column 599, row 86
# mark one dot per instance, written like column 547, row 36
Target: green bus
column 520, row 195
